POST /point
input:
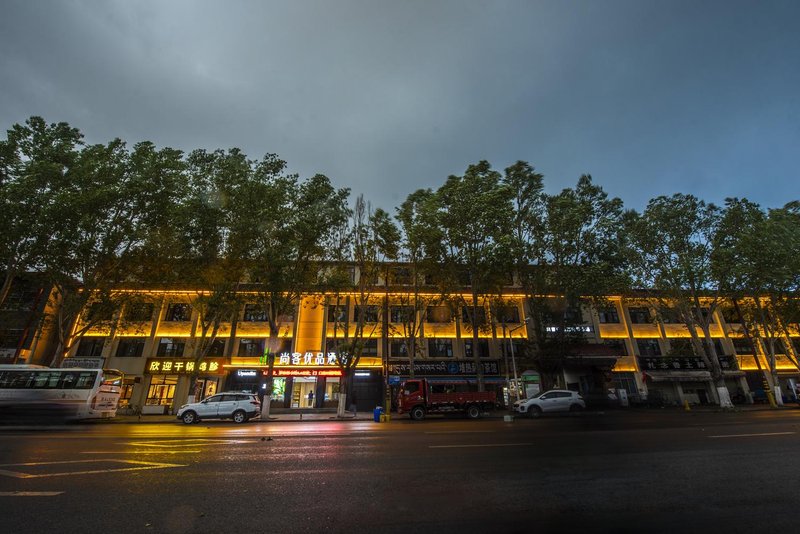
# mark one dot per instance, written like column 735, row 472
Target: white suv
column 555, row 400
column 230, row 405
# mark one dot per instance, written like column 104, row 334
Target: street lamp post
column 513, row 359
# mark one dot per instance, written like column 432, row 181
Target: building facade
column 624, row 348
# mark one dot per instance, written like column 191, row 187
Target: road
column 613, row 472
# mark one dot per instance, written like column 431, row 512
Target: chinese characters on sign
column 308, row 372
column 444, row 368
column 309, row 358
column 157, row 366
column 683, row 363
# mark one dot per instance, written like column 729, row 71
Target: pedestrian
column 353, row 403
column 310, row 399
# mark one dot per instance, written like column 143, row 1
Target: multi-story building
column 623, row 346
column 26, row 333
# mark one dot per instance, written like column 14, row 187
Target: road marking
column 752, row 435
column 30, row 493
column 177, row 443
column 140, row 452
column 141, row 466
column 477, row 445
column 461, row 432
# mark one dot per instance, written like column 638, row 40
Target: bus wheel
column 189, row 417
column 418, row 413
column 473, row 412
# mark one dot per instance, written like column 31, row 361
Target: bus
column 32, row 392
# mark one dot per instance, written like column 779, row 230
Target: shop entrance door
column 301, row 388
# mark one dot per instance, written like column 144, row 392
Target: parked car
column 554, row 400
column 229, row 405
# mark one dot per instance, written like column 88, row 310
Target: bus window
column 67, row 381
column 85, row 381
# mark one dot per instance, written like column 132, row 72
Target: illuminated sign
column 246, row 372
column 309, row 358
column 307, row 372
column 166, row 366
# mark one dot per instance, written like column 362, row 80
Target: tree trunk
column 271, row 344
column 7, row 282
column 475, row 356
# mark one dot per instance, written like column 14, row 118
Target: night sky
column 384, row 97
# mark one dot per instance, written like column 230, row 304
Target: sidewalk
column 281, row 417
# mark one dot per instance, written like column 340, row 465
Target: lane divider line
column 30, row 493
column 753, row 435
column 477, row 445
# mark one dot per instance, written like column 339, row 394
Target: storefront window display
column 126, row 392
column 162, row 390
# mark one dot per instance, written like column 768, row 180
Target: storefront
column 167, row 382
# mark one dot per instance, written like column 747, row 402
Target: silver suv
column 229, row 405
column 554, row 400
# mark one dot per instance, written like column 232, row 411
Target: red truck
column 418, row 396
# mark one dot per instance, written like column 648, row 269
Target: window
column 91, row 347
column 439, row 314
column 178, row 312
column 10, row 338
column 365, row 314
column 670, row 316
column 639, row 315
column 217, row 348
column 370, row 347
column 171, row 346
column 398, row 349
column 466, row 316
column 608, row 315
column 162, row 390
column 779, row 348
column 705, row 313
column 483, row 348
column 648, row 347
column 411, row 387
column 20, row 299
column 681, row 347
column 251, row 347
column 400, row 276
column 401, row 314
column 742, row 345
column 508, row 314
column 440, row 348
column 337, row 314
column 126, row 392
column 130, row 347
column 254, row 313
column 796, row 345
column 139, row 311
column 618, row 346
column 718, row 347
column 730, row 314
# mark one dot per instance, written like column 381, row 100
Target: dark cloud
column 649, row 97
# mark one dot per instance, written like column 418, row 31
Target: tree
column 295, row 230
column 568, row 248
column 35, row 159
column 373, row 238
column 421, row 241
column 756, row 260
column 473, row 216
column 96, row 220
column 673, row 241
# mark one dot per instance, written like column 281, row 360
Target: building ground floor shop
column 160, row 392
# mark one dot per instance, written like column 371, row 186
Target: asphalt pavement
column 619, row 471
